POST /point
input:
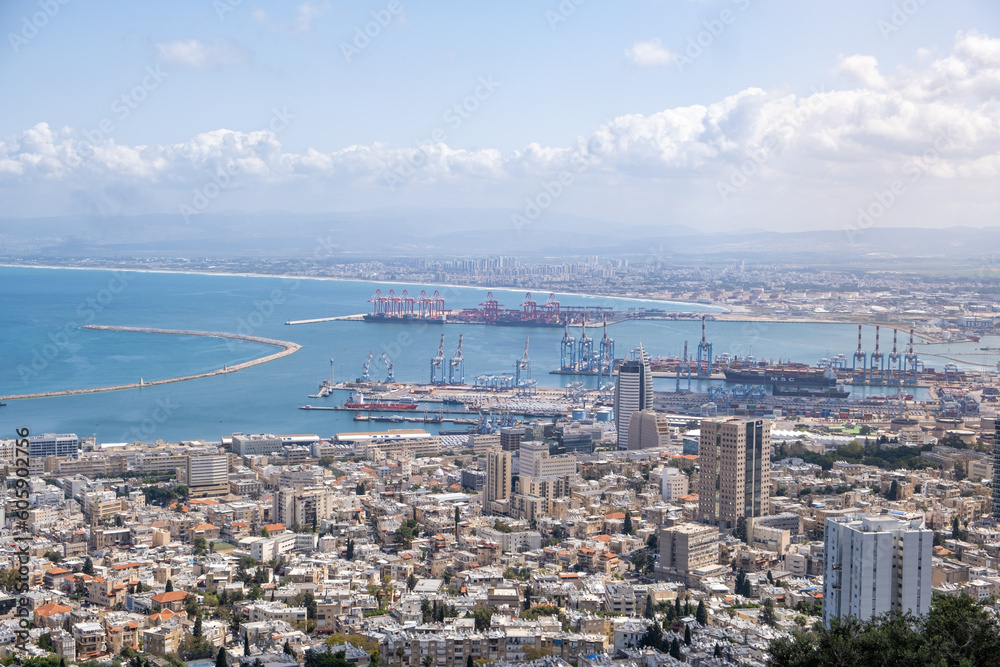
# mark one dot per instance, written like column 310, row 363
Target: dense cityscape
column 500, row 334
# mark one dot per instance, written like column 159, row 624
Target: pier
column 287, row 349
column 338, row 318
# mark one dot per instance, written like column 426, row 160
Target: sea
column 43, row 348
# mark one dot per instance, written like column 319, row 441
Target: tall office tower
column 633, row 391
column 497, row 488
column 734, row 478
column 208, row 475
column 876, row 564
column 996, row 470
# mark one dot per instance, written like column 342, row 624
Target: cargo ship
column 358, row 402
column 788, row 375
column 832, row 392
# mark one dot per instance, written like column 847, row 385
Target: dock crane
column 585, row 357
column 911, row 364
column 365, row 376
column 877, row 364
column 684, row 370
column 389, row 377
column 704, row 352
column 457, row 365
column 606, row 355
column 895, row 359
column 437, row 362
column 522, row 365
column 567, row 361
column 524, row 385
column 859, row 355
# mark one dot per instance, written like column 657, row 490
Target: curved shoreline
column 287, row 349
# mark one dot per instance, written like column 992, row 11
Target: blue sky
column 674, row 124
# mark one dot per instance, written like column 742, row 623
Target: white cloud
column 824, row 146
column 650, row 54
column 198, row 54
column 862, row 68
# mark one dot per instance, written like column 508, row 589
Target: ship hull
column 781, row 378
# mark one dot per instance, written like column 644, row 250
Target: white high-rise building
column 633, row 391
column 876, row 564
column 498, row 479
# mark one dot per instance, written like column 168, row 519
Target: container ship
column 787, row 375
column 358, row 402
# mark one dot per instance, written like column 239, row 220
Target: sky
column 718, row 114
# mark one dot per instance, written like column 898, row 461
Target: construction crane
column 365, row 377
column 457, row 365
column 704, row 353
column 437, row 369
column 389, row 377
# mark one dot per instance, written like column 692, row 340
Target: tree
column 456, row 521
column 740, row 532
column 677, row 606
column 197, row 632
column 200, row 545
column 53, row 556
column 349, row 554
column 653, row 637
column 893, row 493
column 411, row 581
column 246, row 644
column 469, row 662
column 220, row 657
column 687, row 635
column 427, row 661
column 264, row 532
column 956, row 530
column 639, row 560
column 527, row 598
column 88, row 567
column 702, row 614
column 767, row 612
column 627, row 528
column 717, row 652
column 675, row 649
column 959, row 471
column 45, row 642
column 169, row 587
column 958, row 631
column 484, row 617
column 648, row 612
column 288, row 649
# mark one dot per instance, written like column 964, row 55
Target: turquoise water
column 42, row 349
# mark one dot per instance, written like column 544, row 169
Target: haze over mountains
column 432, row 233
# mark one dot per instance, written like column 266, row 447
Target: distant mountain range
column 389, row 233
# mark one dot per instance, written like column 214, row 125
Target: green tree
column 169, row 587
column 88, row 567
column 411, row 581
column 53, row 556
column 959, row 471
column 893, row 493
column 702, row 614
column 648, row 612
column 45, row 642
column 627, row 527
column 246, row 644
column 653, row 637
column 197, row 632
column 484, row 618
column 200, row 545
column 767, row 612
column 639, row 560
column 687, row 635
column 220, row 657
column 349, row 553
column 287, row 650
column 740, row 532
column 675, row 649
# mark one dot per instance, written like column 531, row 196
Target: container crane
column 567, row 346
column 859, row 355
column 606, row 355
column 457, row 365
column 911, row 364
column 876, row 369
column 704, row 353
column 585, row 356
column 684, row 370
column 895, row 360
